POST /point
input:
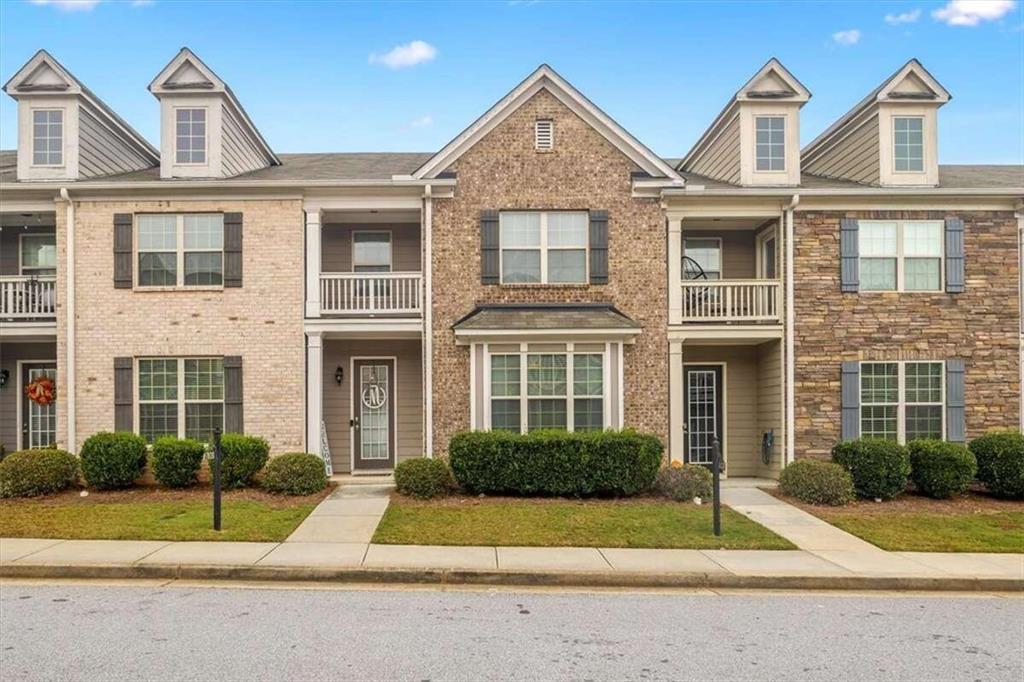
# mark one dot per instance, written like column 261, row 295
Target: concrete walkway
column 348, row 515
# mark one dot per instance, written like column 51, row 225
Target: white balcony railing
column 27, row 297
column 754, row 300
column 363, row 293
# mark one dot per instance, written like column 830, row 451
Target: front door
column 38, row 422
column 373, row 414
column 702, row 397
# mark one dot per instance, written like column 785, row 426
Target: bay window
column 181, row 397
column 901, row 255
column 180, row 250
column 548, row 247
column 902, row 401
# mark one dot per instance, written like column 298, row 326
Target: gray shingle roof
column 545, row 316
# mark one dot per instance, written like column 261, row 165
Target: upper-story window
column 547, row 247
column 371, row 251
column 39, row 254
column 190, row 136
column 901, row 255
column 705, row 253
column 908, row 144
column 181, row 250
column 771, row 143
column 47, row 137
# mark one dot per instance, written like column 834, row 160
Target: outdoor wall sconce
column 339, row 375
column 5, row 374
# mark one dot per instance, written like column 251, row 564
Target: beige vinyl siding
column 102, row 152
column 720, row 159
column 337, row 400
column 854, row 157
column 238, row 153
column 336, row 246
column 10, row 354
column 769, row 402
column 10, row 247
column 738, row 251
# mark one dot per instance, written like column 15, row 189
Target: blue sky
column 321, row 76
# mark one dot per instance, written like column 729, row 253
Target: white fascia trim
column 773, row 64
column 225, row 184
column 465, row 336
column 914, row 67
column 365, row 327
column 924, row 193
column 22, row 330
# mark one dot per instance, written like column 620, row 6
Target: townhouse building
column 545, row 269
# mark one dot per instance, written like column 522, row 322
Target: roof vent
column 544, row 135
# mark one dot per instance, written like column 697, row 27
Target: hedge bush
column 940, row 469
column 295, row 473
column 817, row 482
column 113, row 460
column 879, row 468
column 424, row 478
column 683, row 482
column 555, row 462
column 242, row 457
column 1000, row 456
column 176, row 461
column 29, row 473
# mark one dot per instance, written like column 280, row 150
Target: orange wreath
column 41, row 391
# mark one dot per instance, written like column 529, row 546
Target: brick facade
column 583, row 171
column 261, row 321
column 980, row 325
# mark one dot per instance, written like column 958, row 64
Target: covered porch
column 24, row 422
column 28, row 269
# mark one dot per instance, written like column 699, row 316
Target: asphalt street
column 66, row 631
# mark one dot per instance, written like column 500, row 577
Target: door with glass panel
column 38, row 422
column 703, row 407
column 373, row 414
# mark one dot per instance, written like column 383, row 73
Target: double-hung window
column 39, row 254
column 180, row 250
column 190, row 136
column 901, row 255
column 901, row 401
column 706, row 253
column 547, row 247
column 47, row 137
column 182, row 397
column 770, row 146
column 908, row 144
column 371, row 251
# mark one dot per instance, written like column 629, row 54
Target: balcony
column 398, row 294
column 28, row 298
column 731, row 301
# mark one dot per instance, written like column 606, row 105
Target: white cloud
column 68, row 5
column 903, row 17
column 422, row 122
column 850, row 37
column 973, row 12
column 403, row 56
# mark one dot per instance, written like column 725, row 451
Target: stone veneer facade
column 261, row 321
column 980, row 325
column 583, row 171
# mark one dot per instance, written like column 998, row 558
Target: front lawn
column 155, row 514
column 642, row 522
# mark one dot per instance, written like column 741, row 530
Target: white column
column 314, row 390
column 675, row 270
column 676, row 418
column 789, row 335
column 313, row 264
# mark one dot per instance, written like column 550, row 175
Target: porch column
column 314, row 390
column 676, row 418
column 313, row 235
column 675, row 270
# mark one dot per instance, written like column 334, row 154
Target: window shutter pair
column 490, row 247
column 124, row 409
column 956, row 417
column 124, row 263
column 849, row 253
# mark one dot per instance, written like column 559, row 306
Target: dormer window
column 47, row 137
column 544, row 135
column 771, row 143
column 908, row 144
column 190, row 138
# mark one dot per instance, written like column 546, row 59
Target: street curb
column 438, row 576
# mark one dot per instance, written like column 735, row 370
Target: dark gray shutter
column 851, row 400
column 233, row 394
column 954, row 256
column 956, row 417
column 123, row 408
column 599, row 247
column 490, row 248
column 123, row 251
column 232, row 249
column 849, row 253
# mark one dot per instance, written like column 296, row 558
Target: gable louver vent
column 544, row 135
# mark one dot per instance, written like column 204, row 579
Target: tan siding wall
column 238, row 153
column 854, row 158
column 738, row 252
column 721, row 159
column 769, row 403
column 10, row 354
column 101, row 152
column 337, row 400
column 336, row 246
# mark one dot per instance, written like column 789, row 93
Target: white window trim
column 180, row 401
column 63, row 137
column 391, row 249
column 179, row 226
column 29, row 270
column 785, row 132
column 206, row 135
column 544, row 249
column 721, row 253
column 760, row 241
column 924, row 145
column 900, row 258
column 901, row 404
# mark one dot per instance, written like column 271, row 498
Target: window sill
column 567, row 285
column 207, row 288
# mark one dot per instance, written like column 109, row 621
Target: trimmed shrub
column 113, row 460
column 683, row 482
column 423, row 478
column 555, row 462
column 1000, row 456
column 295, row 473
column 879, row 467
column 176, row 461
column 940, row 469
column 29, row 473
column 241, row 459
column 817, row 482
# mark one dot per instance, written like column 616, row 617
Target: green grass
column 242, row 520
column 989, row 532
column 546, row 523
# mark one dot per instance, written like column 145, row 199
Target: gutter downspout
column 790, row 342
column 428, row 320
column 1020, row 312
column 69, row 332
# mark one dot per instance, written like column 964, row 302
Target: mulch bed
column 974, row 501
column 144, row 494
